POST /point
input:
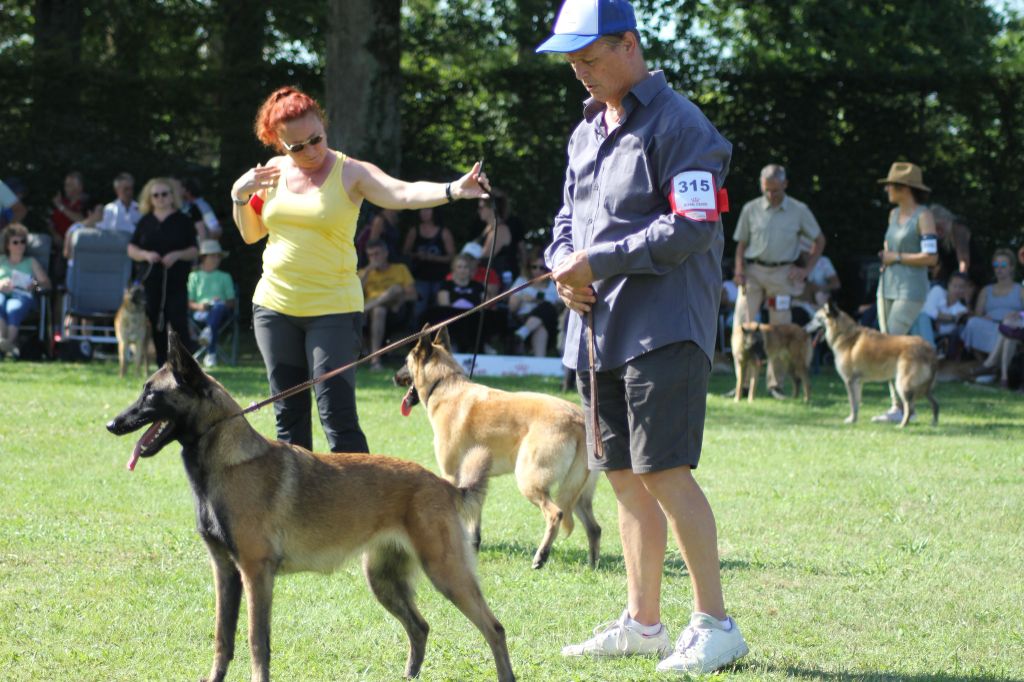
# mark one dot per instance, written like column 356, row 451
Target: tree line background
column 834, row 90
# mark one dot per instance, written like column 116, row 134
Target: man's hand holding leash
column 573, row 278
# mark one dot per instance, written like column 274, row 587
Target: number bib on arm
column 695, row 196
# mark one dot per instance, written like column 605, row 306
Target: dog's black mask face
column 164, row 403
column 137, row 295
column 753, row 343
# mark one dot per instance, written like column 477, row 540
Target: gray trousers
column 297, row 349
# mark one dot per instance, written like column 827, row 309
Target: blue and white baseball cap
column 581, row 22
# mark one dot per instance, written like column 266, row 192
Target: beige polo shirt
column 773, row 234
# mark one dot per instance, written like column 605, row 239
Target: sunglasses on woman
column 16, row 241
column 299, row 146
column 160, row 195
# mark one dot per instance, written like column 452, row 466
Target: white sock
column 726, row 624
column 523, row 333
column 645, row 630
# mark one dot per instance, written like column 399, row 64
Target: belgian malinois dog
column 132, row 330
column 266, row 507
column 786, row 346
column 539, row 437
column 864, row 354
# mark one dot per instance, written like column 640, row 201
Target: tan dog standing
column 864, row 354
column 132, row 330
column 539, row 437
column 786, row 346
column 266, row 507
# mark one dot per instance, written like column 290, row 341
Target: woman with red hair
column 308, row 305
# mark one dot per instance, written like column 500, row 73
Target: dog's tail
column 473, row 475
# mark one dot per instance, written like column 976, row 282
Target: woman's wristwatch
column 240, row 202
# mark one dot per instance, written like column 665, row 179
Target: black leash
column 487, row 277
column 595, row 422
column 390, row 347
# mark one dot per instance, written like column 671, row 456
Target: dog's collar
column 433, row 387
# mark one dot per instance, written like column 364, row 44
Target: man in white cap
column 639, row 243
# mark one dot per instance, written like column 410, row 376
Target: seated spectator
column 822, row 284
column 429, row 247
column 494, row 213
column 68, row 206
column 945, row 310
column 196, row 206
column 19, row 275
column 998, row 302
column 479, row 269
column 388, row 291
column 382, row 227
column 122, row 214
column 1011, row 333
column 12, row 208
column 459, row 293
column 957, row 252
column 211, row 297
column 534, row 310
column 93, row 219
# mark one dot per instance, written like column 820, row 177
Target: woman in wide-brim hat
column 909, row 249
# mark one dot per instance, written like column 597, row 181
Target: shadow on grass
column 608, row 563
column 795, row 671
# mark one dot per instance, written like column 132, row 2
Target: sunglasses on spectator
column 537, row 266
column 1000, row 264
column 299, row 146
column 160, row 195
column 16, row 241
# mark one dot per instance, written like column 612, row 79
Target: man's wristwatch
column 899, row 257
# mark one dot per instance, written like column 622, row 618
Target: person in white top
column 122, row 214
column 945, row 308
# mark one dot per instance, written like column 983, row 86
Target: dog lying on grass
column 265, row 508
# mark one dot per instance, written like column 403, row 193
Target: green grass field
column 848, row 553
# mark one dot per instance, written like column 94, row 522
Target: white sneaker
column 618, row 638
column 892, row 417
column 704, row 647
column 205, row 336
column 210, row 360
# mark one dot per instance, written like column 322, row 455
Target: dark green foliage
column 834, row 90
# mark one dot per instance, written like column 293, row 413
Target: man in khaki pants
column 768, row 238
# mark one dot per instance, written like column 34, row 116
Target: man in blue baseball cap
column 638, row 242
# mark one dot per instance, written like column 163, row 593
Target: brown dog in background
column 786, row 346
column 132, row 330
column 864, row 354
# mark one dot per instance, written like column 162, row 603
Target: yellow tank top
column 309, row 263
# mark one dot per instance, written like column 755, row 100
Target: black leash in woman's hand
column 487, row 277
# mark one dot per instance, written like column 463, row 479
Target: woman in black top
column 429, row 248
column 164, row 239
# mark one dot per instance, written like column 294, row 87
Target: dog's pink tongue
column 135, row 457
column 406, row 403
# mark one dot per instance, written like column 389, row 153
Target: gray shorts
column 651, row 410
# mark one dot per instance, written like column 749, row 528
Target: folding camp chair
column 95, row 287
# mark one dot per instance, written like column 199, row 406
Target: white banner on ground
column 511, row 365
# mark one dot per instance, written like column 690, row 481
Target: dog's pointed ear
column 423, row 348
column 831, row 309
column 442, row 339
column 184, row 367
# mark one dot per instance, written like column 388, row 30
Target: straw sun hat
column 903, row 173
